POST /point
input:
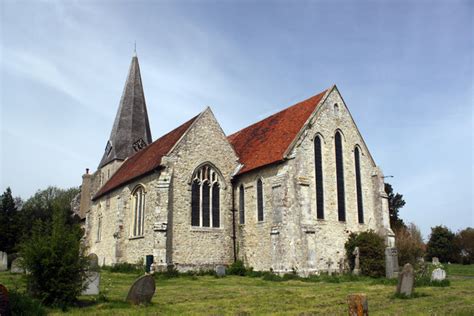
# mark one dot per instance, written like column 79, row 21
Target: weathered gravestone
column 3, row 261
column 391, row 262
column 4, row 302
column 358, row 305
column 220, row 270
column 142, row 290
column 93, row 262
column 438, row 275
column 356, row 253
column 435, row 260
column 406, row 280
column 92, row 283
column 17, row 266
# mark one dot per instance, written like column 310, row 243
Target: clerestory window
column 205, row 198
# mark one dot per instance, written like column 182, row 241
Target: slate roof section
column 146, row 160
column 266, row 142
column 131, row 122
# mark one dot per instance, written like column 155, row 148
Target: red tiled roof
column 265, row 142
column 144, row 161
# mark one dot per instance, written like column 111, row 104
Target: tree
column 395, row 203
column 442, row 244
column 55, row 259
column 9, row 222
column 465, row 243
column 410, row 244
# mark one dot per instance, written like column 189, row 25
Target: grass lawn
column 234, row 295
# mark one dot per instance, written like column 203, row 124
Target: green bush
column 22, row 304
column 54, row 257
column 237, row 268
column 371, row 252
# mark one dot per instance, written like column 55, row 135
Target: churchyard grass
column 233, row 295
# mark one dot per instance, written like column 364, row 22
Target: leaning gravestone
column 435, row 260
column 92, row 283
column 3, row 261
column 4, row 302
column 142, row 290
column 93, row 262
column 438, row 275
column 220, row 271
column 17, row 266
column 406, row 280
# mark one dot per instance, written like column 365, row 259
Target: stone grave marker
column 17, row 266
column 438, row 275
column 406, row 280
column 356, row 253
column 93, row 262
column 92, row 282
column 142, row 290
column 4, row 302
column 358, row 305
column 3, row 261
column 220, row 270
column 391, row 262
column 435, row 260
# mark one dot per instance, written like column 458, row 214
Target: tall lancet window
column 205, row 198
column 318, row 166
column 241, row 205
column 341, row 203
column 138, row 211
column 259, row 200
column 360, row 206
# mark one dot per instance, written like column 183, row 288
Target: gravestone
column 3, row 261
column 93, row 262
column 92, row 282
column 391, row 262
column 142, row 290
column 356, row 253
column 220, row 271
column 329, row 263
column 358, row 305
column 406, row 280
column 435, row 260
column 17, row 266
column 4, row 302
column 438, row 275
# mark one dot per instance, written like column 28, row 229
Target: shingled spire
column 131, row 129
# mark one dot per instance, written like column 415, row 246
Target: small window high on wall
column 360, row 207
column 341, row 199
column 138, row 211
column 205, row 197
column 259, row 200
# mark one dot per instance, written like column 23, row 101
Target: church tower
column 131, row 129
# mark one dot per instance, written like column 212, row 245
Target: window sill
column 136, row 237
column 206, row 229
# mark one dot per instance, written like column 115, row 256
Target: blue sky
column 404, row 68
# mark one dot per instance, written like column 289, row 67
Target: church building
column 281, row 194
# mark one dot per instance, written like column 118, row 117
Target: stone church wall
column 191, row 246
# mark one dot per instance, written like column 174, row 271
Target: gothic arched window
column 360, row 207
column 138, row 202
column 259, row 200
column 318, row 166
column 341, row 203
column 241, row 205
column 205, row 198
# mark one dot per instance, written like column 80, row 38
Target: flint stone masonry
column 3, row 261
column 17, row 266
column 438, row 274
column 93, row 283
column 142, row 290
column 406, row 280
